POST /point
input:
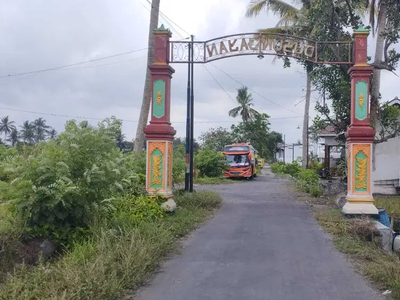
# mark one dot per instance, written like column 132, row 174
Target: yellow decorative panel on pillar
column 360, row 173
column 156, row 166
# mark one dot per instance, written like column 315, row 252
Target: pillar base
column 360, row 208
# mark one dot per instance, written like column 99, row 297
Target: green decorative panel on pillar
column 361, row 169
column 159, row 98
column 361, row 99
column 156, row 169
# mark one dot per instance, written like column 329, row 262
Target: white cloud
column 41, row 34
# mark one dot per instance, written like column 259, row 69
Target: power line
column 254, row 90
column 71, row 65
column 126, row 120
column 230, row 97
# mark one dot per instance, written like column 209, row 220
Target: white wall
column 289, row 153
column 387, row 160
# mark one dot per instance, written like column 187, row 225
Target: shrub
column 60, row 185
column 307, row 181
column 210, row 163
column 292, row 168
column 316, row 166
column 278, row 167
column 136, row 210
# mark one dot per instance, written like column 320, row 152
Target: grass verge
column 359, row 240
column 213, row 180
column 111, row 262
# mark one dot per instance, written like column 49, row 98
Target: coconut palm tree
column 27, row 133
column 244, row 99
column 292, row 20
column 52, row 133
column 13, row 137
column 144, row 111
column 40, row 129
column 6, row 126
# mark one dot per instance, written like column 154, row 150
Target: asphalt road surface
column 261, row 245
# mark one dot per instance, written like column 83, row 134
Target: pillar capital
column 360, row 46
column 161, row 44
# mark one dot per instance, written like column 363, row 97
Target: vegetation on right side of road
column 306, row 180
column 358, row 238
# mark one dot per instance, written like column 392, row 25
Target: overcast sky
column 40, row 34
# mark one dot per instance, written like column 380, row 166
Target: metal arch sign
column 262, row 44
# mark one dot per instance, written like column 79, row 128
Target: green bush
column 307, row 181
column 316, row 166
column 292, row 169
column 136, row 210
column 60, row 185
column 278, row 167
column 210, row 163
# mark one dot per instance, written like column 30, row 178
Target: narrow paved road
column 261, row 245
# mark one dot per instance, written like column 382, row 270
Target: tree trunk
column 305, row 120
column 376, row 75
column 144, row 111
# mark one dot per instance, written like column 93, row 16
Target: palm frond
column 235, row 111
column 278, row 7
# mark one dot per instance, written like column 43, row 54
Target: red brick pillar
column 160, row 133
column 360, row 134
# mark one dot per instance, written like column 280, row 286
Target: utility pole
column 188, row 122
column 284, row 148
column 191, row 163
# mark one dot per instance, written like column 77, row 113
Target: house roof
column 395, row 101
column 327, row 131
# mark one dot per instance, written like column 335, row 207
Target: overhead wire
column 124, row 120
column 255, row 92
column 212, row 76
column 71, row 65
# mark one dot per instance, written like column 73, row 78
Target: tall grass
column 359, row 239
column 112, row 260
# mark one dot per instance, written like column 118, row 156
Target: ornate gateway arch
column 360, row 135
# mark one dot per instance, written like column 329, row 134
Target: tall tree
column 13, row 137
column 295, row 21
column 216, row 139
column 27, row 133
column 254, row 132
column 144, row 111
column 6, row 126
column 52, row 134
column 245, row 110
column 40, row 129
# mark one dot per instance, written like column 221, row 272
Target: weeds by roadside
column 306, row 180
column 213, row 180
column 113, row 259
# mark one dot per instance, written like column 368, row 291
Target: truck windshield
column 237, row 160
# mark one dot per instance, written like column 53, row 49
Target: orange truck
column 242, row 160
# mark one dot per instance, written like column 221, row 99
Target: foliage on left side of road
column 85, row 196
column 117, row 256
